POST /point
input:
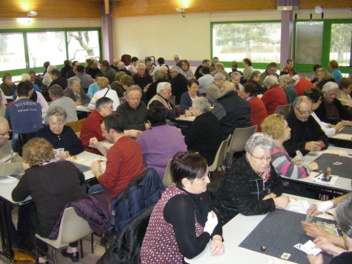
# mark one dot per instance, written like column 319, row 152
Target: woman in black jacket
column 252, row 186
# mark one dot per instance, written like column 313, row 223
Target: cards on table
column 309, row 248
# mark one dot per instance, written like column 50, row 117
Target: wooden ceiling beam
column 308, row 4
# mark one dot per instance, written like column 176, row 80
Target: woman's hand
column 313, row 166
column 313, row 230
column 217, row 246
column 296, row 160
column 315, row 259
column 281, row 202
column 269, row 196
column 324, row 244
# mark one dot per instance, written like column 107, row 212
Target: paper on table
column 342, row 136
column 8, row 179
column 331, row 182
column 279, row 261
column 298, row 206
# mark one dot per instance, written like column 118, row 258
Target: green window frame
column 227, row 64
column 16, row 72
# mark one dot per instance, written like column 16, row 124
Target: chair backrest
column 239, row 138
column 76, row 125
column 283, row 110
column 172, row 100
column 21, row 140
column 167, row 180
column 220, row 155
column 72, row 227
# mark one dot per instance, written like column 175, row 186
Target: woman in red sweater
column 258, row 110
column 275, row 95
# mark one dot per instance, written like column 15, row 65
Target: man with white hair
column 331, row 110
column 213, row 90
column 142, row 77
column 161, row 101
column 232, row 110
column 179, row 83
column 121, row 67
column 306, row 134
column 178, row 60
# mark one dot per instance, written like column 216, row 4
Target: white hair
column 25, row 77
column 329, row 86
column 162, row 87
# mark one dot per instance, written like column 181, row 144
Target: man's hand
column 93, row 142
column 281, row 202
column 96, row 168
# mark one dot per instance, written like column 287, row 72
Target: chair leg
column 81, row 246
column 92, row 242
column 35, row 248
column 54, row 255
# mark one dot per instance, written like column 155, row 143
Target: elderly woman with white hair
column 161, row 101
column 204, row 135
column 275, row 95
column 75, row 92
column 252, row 186
column 331, row 110
column 47, row 76
column 286, row 83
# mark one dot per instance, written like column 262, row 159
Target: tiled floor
column 89, row 257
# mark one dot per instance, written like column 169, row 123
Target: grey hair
column 202, row 104
column 72, row 81
column 297, row 102
column 176, row 69
column 57, row 111
column 133, row 88
column 228, row 87
column 220, row 66
column 261, row 140
column 270, row 81
column 51, row 68
column 235, row 74
column 322, row 70
column 286, row 78
column 25, row 77
column 141, row 64
column 158, row 74
column 163, row 68
column 329, row 86
column 219, row 77
column 254, row 74
column 344, row 215
column 162, row 87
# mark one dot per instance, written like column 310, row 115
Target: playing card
column 309, row 248
column 321, row 145
column 337, row 163
column 298, row 246
column 285, row 255
column 299, row 155
column 309, row 218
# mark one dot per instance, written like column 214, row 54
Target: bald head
column 228, row 87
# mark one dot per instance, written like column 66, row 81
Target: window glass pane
column 340, row 45
column 83, row 45
column 258, row 41
column 12, row 51
column 309, row 42
column 46, row 46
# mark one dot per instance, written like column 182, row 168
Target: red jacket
column 258, row 112
column 274, row 97
column 302, row 85
column 91, row 128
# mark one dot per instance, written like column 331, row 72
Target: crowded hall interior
column 176, row 131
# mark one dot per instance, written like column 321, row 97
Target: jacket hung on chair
column 140, row 193
column 94, row 208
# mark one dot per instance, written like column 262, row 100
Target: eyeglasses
column 261, row 159
column 6, row 134
column 304, row 112
column 109, row 107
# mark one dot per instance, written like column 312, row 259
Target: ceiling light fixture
column 181, row 10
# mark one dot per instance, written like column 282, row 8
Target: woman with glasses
column 252, row 186
column 63, row 139
column 183, row 221
column 276, row 126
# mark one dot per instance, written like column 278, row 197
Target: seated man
column 306, row 134
column 270, row 70
column 289, row 68
column 56, row 94
column 86, row 79
column 213, row 90
column 109, row 72
column 93, row 88
column 161, row 101
column 133, row 111
column 142, row 77
column 232, row 110
column 124, row 159
column 24, row 115
column 205, row 80
column 91, row 127
column 179, row 83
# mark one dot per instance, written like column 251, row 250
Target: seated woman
column 286, row 83
column 75, row 91
column 52, row 185
column 7, row 86
column 340, row 249
column 59, row 135
column 188, row 97
column 161, row 142
column 252, row 186
column 331, row 110
column 204, row 135
column 183, row 221
column 275, row 95
column 323, row 77
column 276, row 127
column 343, row 94
column 186, row 71
column 105, row 91
column 254, row 79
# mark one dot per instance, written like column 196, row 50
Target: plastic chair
column 167, row 180
column 283, row 110
column 72, row 228
column 220, row 155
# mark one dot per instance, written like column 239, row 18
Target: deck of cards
column 309, row 248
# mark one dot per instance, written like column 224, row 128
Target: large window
column 29, row 49
column 340, row 44
column 12, row 51
column 259, row 41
